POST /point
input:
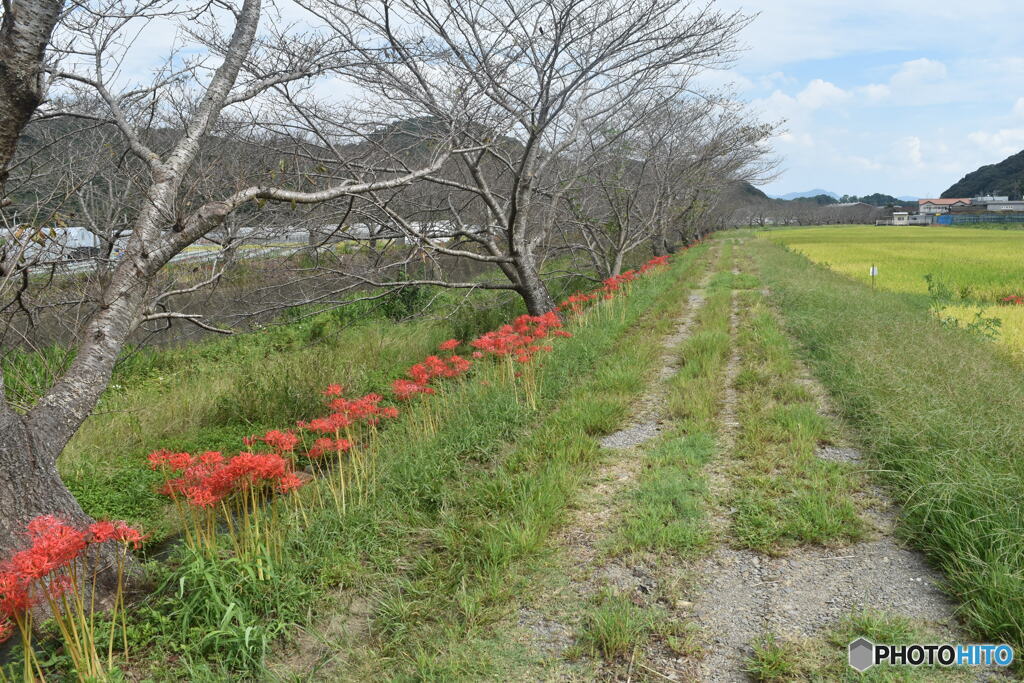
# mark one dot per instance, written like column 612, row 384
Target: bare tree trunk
column 617, row 264
column 29, row 483
column 532, row 288
column 24, row 35
column 30, row 486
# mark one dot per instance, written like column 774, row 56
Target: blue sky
column 895, row 96
column 902, row 97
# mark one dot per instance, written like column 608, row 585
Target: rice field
column 970, row 270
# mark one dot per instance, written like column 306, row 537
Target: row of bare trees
column 505, row 133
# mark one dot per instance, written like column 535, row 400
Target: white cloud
column 802, row 139
column 910, row 149
column 875, row 92
column 774, row 79
column 1003, row 142
column 918, row 72
column 819, row 93
column 913, row 82
column 1018, row 107
column 865, row 163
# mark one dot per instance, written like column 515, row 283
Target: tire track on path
column 580, row 542
column 743, row 594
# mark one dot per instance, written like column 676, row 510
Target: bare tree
column 659, row 183
column 472, row 124
column 521, row 83
column 165, row 125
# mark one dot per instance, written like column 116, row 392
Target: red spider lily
column 348, row 412
column 55, row 545
column 1013, row 300
column 654, row 263
column 209, row 478
column 405, row 389
column 517, row 339
column 321, row 446
column 458, row 365
column 101, row 532
column 59, row 585
column 14, row 596
column 283, row 442
column 449, row 345
column 201, row 496
column 422, row 374
column 289, row 483
column 334, row 390
column 327, row 425
column 165, row 458
column 575, row 302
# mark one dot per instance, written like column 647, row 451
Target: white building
column 1005, row 205
column 933, row 207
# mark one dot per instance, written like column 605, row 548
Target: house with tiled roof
column 932, row 207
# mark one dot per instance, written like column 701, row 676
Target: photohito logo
column 864, row 654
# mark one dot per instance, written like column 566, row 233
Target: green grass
column 942, row 414
column 616, row 629
column 970, row 269
column 457, row 516
column 774, row 660
column 825, row 658
column 209, row 395
column 976, row 264
column 782, row 493
column 496, row 516
column 666, row 511
column 446, row 542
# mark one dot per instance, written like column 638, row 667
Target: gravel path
column 579, row 542
column 743, row 594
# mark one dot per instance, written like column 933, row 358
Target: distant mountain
column 805, row 195
column 1004, row 178
column 907, row 198
column 876, row 199
column 748, row 191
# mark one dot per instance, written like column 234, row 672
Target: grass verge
column 666, row 511
column 782, row 493
column 825, row 658
column 441, row 548
column 943, row 415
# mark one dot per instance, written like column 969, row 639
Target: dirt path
column 588, row 570
column 743, row 594
column 732, row 597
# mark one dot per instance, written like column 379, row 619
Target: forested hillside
column 1004, row 178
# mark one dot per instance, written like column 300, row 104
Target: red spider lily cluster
column 519, row 340
column 421, row 375
column 615, row 283
column 1012, row 300
column 655, row 262
column 208, row 478
column 348, row 429
column 45, row 570
column 611, row 287
column 347, row 413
